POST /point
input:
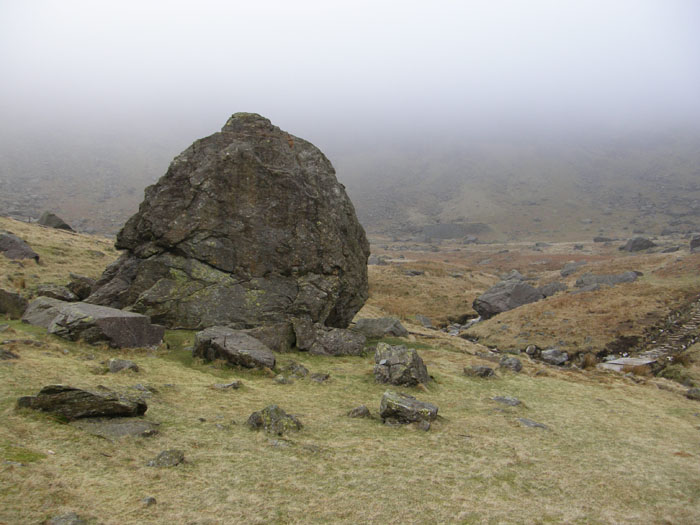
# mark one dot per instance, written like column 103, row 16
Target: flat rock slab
column 74, row 403
column 617, row 365
column 397, row 407
column 42, row 311
column 233, row 346
column 505, row 296
column 117, row 428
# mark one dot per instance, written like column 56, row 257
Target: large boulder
column 12, row 304
column 249, row 226
column 398, row 365
column 637, row 244
column 397, row 407
column 74, row 403
column 505, row 296
column 13, row 247
column 233, row 346
column 53, row 221
column 381, row 327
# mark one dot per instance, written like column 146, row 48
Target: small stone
column 117, row 365
column 511, row 363
column 273, row 420
column 361, row 411
column 296, row 370
column 530, row 423
column 149, row 501
column 507, row 400
column 70, row 518
column 319, row 377
column 479, row 371
column 281, row 379
column 554, row 356
column 234, row 385
column 168, row 458
column 423, row 425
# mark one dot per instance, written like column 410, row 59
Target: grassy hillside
column 616, row 449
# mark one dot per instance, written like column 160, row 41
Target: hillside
column 612, row 448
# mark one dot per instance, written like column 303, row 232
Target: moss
column 19, row 454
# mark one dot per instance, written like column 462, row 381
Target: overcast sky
column 318, row 67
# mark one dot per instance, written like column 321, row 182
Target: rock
column 514, row 275
column 550, row 289
column 589, row 279
column 511, row 363
column 319, row 377
column 530, row 423
column 273, row 420
column 70, row 518
column 637, row 244
column 41, row 311
column 507, row 400
column 695, row 244
column 278, row 337
column 117, row 365
column 6, row 355
column 414, row 273
column 397, row 407
column 479, row 371
column 233, row 346
column 571, row 267
column 56, row 291
column 234, row 385
column 505, row 296
column 13, row 305
column 117, row 428
column 248, row 227
column 296, row 370
column 554, row 356
column 600, row 238
column 424, row 321
column 361, row 411
column 81, row 286
column 101, row 324
column 168, row 458
column 693, row 393
column 671, row 249
column 53, row 221
column 74, row 403
column 281, row 379
column 13, row 247
column 149, row 501
column 398, row 365
column 381, row 327
column 322, row 340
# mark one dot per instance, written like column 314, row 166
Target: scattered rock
column 361, row 411
column 233, row 346
column 381, row 327
column 571, row 268
column 233, row 385
column 398, row 365
column 56, row 291
column 507, row 400
column 12, row 304
column 53, row 221
column 589, row 279
column 511, row 363
column 81, row 286
column 7, row 354
column 281, row 379
column 149, row 501
column 530, row 423
column 74, row 403
column 505, row 296
column 695, row 244
column 321, row 340
column 13, row 247
column 168, row 458
column 249, row 226
column 554, row 356
column 550, row 289
column 424, row 321
column 117, row 428
column 693, row 393
column 479, row 371
column 273, row 420
column 600, row 238
column 296, row 369
column 70, row 518
column 637, row 244
column 319, row 377
column 413, row 273
column 117, row 365
column 397, row 407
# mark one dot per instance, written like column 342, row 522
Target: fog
column 349, row 71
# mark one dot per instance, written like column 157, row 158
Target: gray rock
column 507, row 400
column 69, row 518
column 671, row 249
column 233, row 346
column 273, row 420
column 100, row 324
column 13, row 305
column 41, row 311
column 600, row 238
column 505, row 296
column 296, row 369
column 695, row 244
column 74, row 403
column 117, row 365
column 361, row 411
column 56, row 291
column 554, row 356
column 53, row 221
column 81, row 286
column 550, row 289
column 168, row 458
column 397, row 407
column 6, row 355
column 117, row 428
column 381, row 327
column 589, row 279
column 322, row 340
column 233, row 385
column 514, row 275
column 149, row 501
column 424, row 321
column 281, row 379
column 693, row 393
column 278, row 337
column 637, row 244
column 248, row 227
column 530, row 423
column 398, row 365
column 319, row 377
column 13, row 247
column 479, row 371
column 571, row 268
column 511, row 363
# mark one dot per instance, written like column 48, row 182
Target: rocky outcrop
column 248, row 227
column 397, row 407
column 53, row 221
column 233, row 346
column 398, row 365
column 505, row 296
column 74, row 403
column 637, row 245
column 13, row 247
column 380, row 327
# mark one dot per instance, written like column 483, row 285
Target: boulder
column 41, row 311
column 167, row 459
column 13, row 247
column 56, row 291
column 381, row 327
column 589, row 279
column 74, row 403
column 99, row 324
column 695, row 244
column 12, row 305
column 554, row 356
column 397, row 407
column 273, row 420
column 54, row 221
column 637, row 244
column 233, row 346
column 571, row 267
column 248, row 227
column 551, row 288
column 322, row 340
column 81, row 286
column 505, row 296
column 399, row 365
column 479, row 371
column 511, row 363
